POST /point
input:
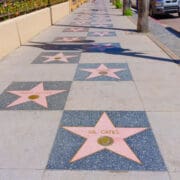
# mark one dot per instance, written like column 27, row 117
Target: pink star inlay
column 77, row 29
column 102, row 70
column 101, row 20
column 58, row 57
column 69, row 39
column 101, row 24
column 37, row 95
column 104, row 135
column 82, row 22
column 100, row 33
column 82, row 19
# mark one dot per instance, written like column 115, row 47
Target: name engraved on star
column 57, row 57
column 92, row 132
column 109, row 132
column 104, row 132
column 32, row 92
column 103, row 72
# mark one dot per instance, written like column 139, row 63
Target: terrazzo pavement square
column 57, row 57
column 167, row 136
column 102, row 34
column 68, row 39
column 105, row 175
column 142, row 144
column 122, row 74
column 39, row 72
column 27, row 139
column 101, row 58
column 101, row 20
column 151, row 72
column 76, row 29
column 103, row 25
column 102, row 47
column 20, row 174
column 55, row 101
column 102, row 95
column 160, row 96
column 80, row 23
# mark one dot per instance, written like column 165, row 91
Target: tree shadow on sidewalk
column 95, row 27
column 173, row 31
column 99, row 14
column 102, row 48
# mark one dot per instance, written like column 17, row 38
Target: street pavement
column 171, row 21
column 89, row 98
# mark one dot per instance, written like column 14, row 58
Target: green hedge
column 10, row 8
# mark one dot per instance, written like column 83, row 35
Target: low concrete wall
column 9, row 38
column 31, row 24
column 59, row 11
column 74, row 4
column 17, row 31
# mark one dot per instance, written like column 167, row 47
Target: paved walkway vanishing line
column 89, row 98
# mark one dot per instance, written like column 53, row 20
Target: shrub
column 13, row 8
column 128, row 12
column 118, row 4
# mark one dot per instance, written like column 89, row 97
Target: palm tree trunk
column 126, row 5
column 143, row 13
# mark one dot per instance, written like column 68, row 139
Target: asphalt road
column 170, row 21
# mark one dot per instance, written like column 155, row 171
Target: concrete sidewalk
column 89, row 98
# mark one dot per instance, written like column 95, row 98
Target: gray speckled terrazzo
column 104, row 25
column 124, row 75
column 102, row 47
column 55, row 102
column 109, row 34
column 81, row 30
column 103, row 19
column 80, row 23
column 143, row 144
column 41, row 60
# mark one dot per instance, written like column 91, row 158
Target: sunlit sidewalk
column 89, row 98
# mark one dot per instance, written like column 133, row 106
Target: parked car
column 161, row 6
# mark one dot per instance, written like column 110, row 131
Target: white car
column 161, row 6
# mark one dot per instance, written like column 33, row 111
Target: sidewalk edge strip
column 159, row 44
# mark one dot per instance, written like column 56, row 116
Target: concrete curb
column 171, row 54
column 17, row 31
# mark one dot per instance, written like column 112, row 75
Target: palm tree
column 143, row 13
